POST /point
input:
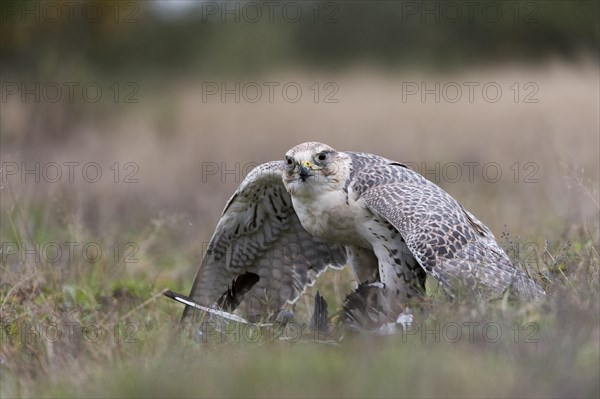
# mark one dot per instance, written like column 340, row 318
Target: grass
column 118, row 335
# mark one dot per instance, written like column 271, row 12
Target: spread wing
column 259, row 232
column 445, row 239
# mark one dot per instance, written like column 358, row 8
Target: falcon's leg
column 363, row 263
column 373, row 306
column 398, row 269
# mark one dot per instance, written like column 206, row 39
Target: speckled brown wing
column 445, row 239
column 259, row 232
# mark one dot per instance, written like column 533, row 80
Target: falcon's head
column 313, row 166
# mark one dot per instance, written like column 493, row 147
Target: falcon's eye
column 322, row 156
column 289, row 161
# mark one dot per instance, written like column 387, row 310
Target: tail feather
column 319, row 320
column 526, row 288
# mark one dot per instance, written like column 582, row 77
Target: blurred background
column 186, row 96
column 128, row 124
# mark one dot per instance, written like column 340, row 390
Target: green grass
column 466, row 348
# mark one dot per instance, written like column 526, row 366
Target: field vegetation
column 84, row 263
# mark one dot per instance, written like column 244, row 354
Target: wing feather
column 259, row 232
column 446, row 240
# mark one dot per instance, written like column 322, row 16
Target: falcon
column 291, row 219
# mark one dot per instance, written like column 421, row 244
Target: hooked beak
column 304, row 173
column 304, row 168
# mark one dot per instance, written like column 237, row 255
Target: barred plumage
column 289, row 220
